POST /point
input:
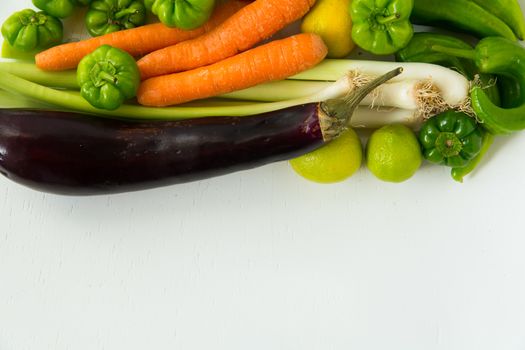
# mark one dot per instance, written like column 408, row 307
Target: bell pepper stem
column 463, row 53
column 107, row 77
column 388, row 19
column 125, row 12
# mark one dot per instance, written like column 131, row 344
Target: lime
column 393, row 153
column 334, row 162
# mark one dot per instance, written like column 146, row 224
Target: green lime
column 393, row 153
column 334, row 162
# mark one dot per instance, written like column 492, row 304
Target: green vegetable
column 57, row 8
column 29, row 30
column 9, row 51
column 185, row 14
column 107, row 77
column 108, row 16
column 451, row 138
column 504, row 57
column 381, row 27
column 82, row 2
column 420, row 49
column 459, row 173
column 464, row 15
column 508, row 11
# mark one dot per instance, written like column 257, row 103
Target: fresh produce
column 331, row 20
column 29, row 30
column 452, row 86
column 276, row 60
column 187, row 14
column 333, row 162
column 393, row 153
column 500, row 56
column 381, row 27
column 107, row 77
column 465, row 15
column 509, row 11
column 420, row 49
column 256, row 21
column 108, row 16
column 28, row 70
column 137, row 41
column 57, row 8
column 451, row 138
column 70, row 153
column 424, row 89
column 458, row 173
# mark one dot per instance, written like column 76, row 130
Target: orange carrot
column 137, row 41
column 250, row 25
column 276, row 60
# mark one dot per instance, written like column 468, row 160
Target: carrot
column 250, row 25
column 137, row 41
column 275, row 60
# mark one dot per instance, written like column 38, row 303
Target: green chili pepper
column 461, row 14
column 29, row 30
column 57, row 8
column 420, row 49
column 108, row 16
column 509, row 11
column 381, row 26
column 107, row 77
column 451, row 138
column 459, row 173
column 185, row 14
column 503, row 57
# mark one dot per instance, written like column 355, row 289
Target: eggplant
column 77, row 154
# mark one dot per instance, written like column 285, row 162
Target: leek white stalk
column 402, row 94
column 453, row 86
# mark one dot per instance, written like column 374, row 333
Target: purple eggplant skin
column 75, row 154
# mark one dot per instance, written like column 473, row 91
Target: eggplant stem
column 339, row 111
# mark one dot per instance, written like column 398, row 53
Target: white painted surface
column 265, row 260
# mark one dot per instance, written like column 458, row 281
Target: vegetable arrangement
column 209, row 90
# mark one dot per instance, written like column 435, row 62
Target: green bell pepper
column 29, row 30
column 184, row 14
column 108, row 16
column 107, row 77
column 381, row 27
column 451, row 138
column 57, row 8
column 506, row 58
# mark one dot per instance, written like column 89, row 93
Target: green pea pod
column 420, row 49
column 108, row 16
column 184, row 14
column 503, row 57
column 465, row 15
column 451, row 138
column 509, row 11
column 381, row 27
column 29, row 30
column 107, row 77
column 459, row 173
column 57, row 8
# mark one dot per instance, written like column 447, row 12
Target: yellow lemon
column 334, row 162
column 393, row 153
column 331, row 20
